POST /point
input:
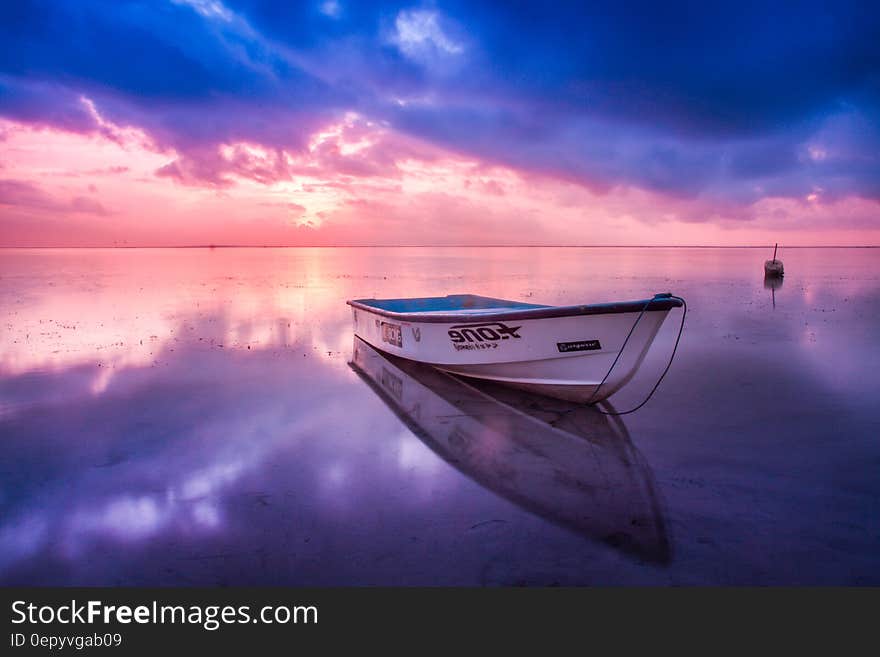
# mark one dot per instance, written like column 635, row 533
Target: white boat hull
column 565, row 356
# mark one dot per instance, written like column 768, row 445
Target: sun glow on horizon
column 357, row 182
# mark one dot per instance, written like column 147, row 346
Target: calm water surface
column 191, row 417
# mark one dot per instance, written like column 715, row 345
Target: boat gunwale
column 540, row 312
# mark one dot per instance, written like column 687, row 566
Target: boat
column 562, row 461
column 773, row 268
column 581, row 353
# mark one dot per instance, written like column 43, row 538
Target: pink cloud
column 28, row 196
column 355, row 182
column 349, row 148
column 87, row 205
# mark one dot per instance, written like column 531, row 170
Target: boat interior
column 453, row 303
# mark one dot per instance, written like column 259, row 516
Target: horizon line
column 448, row 246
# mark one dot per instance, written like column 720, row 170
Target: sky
column 333, row 122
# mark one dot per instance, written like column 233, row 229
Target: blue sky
column 721, row 103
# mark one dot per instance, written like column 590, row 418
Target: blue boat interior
column 452, row 307
column 449, row 303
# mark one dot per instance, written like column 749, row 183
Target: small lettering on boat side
column 475, row 346
column 482, row 335
column 580, row 345
column 392, row 334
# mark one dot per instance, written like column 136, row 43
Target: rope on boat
column 657, row 297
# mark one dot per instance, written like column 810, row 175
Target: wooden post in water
column 773, row 268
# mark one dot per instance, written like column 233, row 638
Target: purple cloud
column 706, row 101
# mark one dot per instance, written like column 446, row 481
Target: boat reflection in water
column 563, row 461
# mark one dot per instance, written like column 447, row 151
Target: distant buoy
column 773, row 268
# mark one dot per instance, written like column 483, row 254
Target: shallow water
column 190, row 417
